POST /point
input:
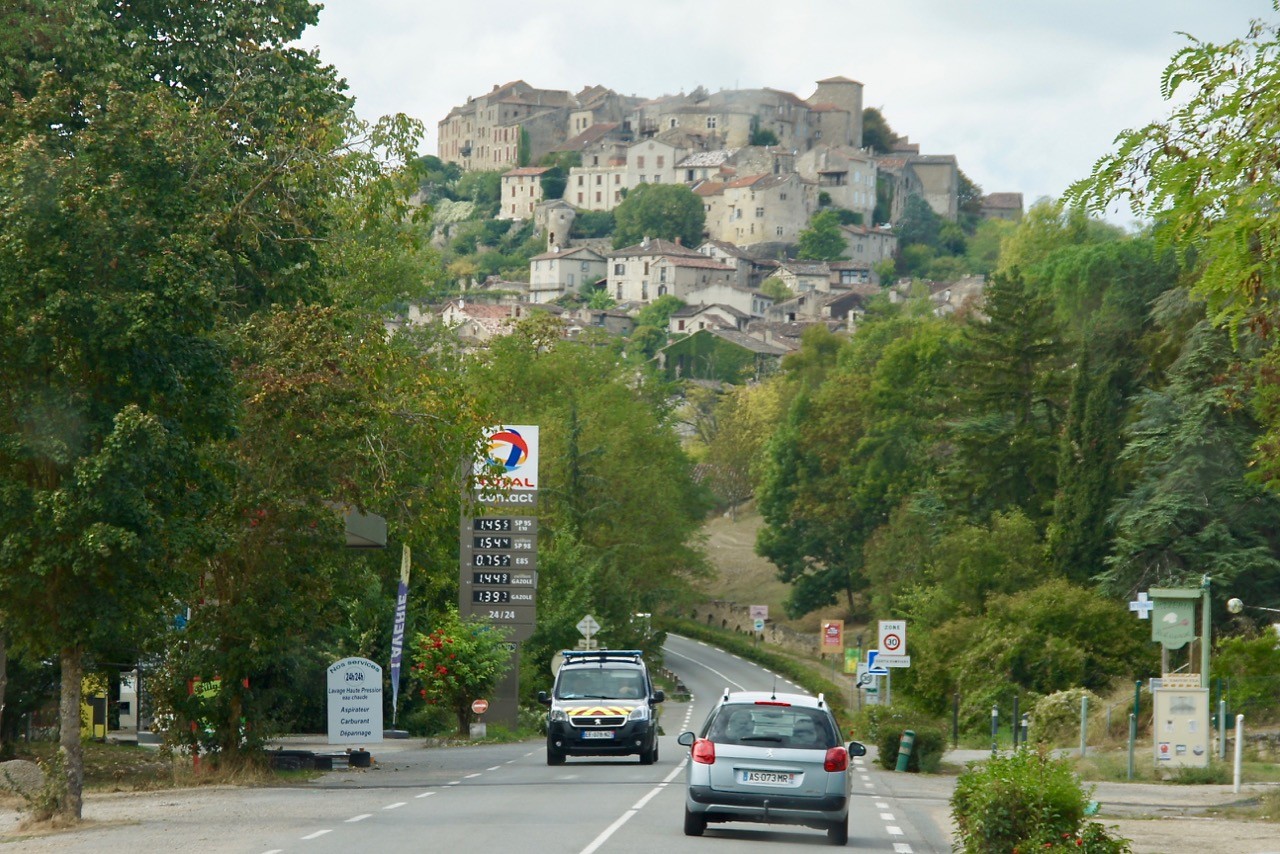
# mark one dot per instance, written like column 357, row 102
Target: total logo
column 508, row 449
column 513, row 449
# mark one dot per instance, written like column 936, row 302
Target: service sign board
column 355, row 701
column 507, row 472
column 832, row 636
column 1181, row 724
column 893, row 637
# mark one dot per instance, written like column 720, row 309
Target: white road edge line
column 316, row 835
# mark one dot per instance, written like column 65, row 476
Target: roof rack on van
column 602, row 654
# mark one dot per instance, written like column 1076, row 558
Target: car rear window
column 775, row 726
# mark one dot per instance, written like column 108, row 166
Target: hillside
column 744, row 577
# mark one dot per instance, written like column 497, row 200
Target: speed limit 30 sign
column 893, row 637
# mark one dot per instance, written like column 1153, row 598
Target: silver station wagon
column 771, row 758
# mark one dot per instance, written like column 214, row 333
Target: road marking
column 354, row 819
column 316, row 835
column 864, row 776
column 274, row 851
column 626, row 816
column 886, row 816
column 880, row 805
column 868, row 785
column 494, row 768
column 712, row 669
column 394, row 806
column 901, row 848
column 894, row 831
column 477, row 774
column 424, row 795
column 453, row 783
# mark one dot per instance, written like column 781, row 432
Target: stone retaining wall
column 737, row 618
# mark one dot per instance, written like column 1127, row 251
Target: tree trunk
column 69, row 747
column 4, row 684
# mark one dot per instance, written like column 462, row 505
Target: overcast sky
column 1026, row 94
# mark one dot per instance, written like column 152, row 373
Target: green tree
column 666, row 211
column 1207, row 175
column 1191, row 509
column 822, row 240
column 1010, row 391
column 876, row 134
column 614, row 477
column 458, row 662
column 658, row 313
column 919, row 223
column 592, row 224
column 111, row 374
column 776, row 288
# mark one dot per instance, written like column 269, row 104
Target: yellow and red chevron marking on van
column 599, row 711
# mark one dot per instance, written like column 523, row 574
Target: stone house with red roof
column 653, row 268
column 475, row 321
column 763, row 209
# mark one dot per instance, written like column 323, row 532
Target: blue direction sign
column 872, row 655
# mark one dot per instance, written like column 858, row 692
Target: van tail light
column 837, row 760
column 704, row 751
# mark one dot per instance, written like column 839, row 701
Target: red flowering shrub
column 458, row 662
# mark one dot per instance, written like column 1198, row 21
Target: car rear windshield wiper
column 775, row 738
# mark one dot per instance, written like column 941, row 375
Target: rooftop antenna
column 774, row 693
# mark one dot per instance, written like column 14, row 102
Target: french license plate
column 598, row 733
column 767, row 778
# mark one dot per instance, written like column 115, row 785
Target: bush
column 883, row 726
column 1024, row 801
column 1055, row 719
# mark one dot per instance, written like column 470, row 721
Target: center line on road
column 424, row 795
column 626, row 816
column 393, row 806
column 356, row 818
column 494, row 768
column 316, row 835
column 477, row 774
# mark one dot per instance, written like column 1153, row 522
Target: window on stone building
column 619, row 269
column 660, row 161
column 711, row 122
column 579, row 198
column 639, row 161
column 759, row 213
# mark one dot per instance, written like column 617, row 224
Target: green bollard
column 904, row 749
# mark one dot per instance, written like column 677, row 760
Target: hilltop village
column 762, row 163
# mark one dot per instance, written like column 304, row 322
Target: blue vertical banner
column 397, row 631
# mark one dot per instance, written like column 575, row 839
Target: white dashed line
column 356, row 818
column 394, row 806
column 316, row 835
column 901, row 848
column 868, row 785
column 424, row 795
column 886, row 816
column 494, row 768
column 453, row 782
column 880, row 805
column 477, row 774
column 894, row 831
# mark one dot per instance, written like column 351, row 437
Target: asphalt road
column 493, row 798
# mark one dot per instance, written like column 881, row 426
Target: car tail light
column 837, row 760
column 704, row 751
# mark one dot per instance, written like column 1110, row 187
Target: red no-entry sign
column 479, row 706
